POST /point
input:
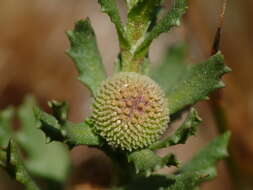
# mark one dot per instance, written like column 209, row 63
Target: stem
column 140, row 19
column 130, row 62
column 123, row 173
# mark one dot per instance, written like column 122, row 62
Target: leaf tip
column 227, row 69
column 220, row 84
column 226, row 136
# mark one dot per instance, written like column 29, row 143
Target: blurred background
column 33, row 61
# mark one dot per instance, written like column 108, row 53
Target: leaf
column 60, row 110
column 197, row 82
column 146, row 161
column 141, row 18
column 171, row 19
column 49, row 125
column 16, row 168
column 198, row 170
column 170, row 70
column 6, row 117
column 110, row 8
column 208, row 156
column 85, row 54
column 50, row 161
column 82, row 134
column 187, row 129
column 202, row 167
column 188, row 180
column 70, row 133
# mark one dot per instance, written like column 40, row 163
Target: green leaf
column 187, row 129
column 49, row 125
column 60, row 110
column 82, row 134
column 146, row 161
column 50, row 161
column 171, row 19
column 197, row 82
column 168, row 73
column 189, row 180
column 85, row 54
column 110, row 7
column 209, row 155
column 141, row 18
column 202, row 167
column 16, row 168
column 198, row 170
column 69, row 133
column 6, row 117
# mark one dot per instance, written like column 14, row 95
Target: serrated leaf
column 110, row 8
column 171, row 19
column 16, row 168
column 6, row 117
column 187, row 129
column 85, row 54
column 141, row 18
column 209, row 155
column 49, row 125
column 189, row 180
column 197, row 82
column 168, row 73
column 50, row 161
column 60, row 110
column 198, row 170
column 146, row 161
column 202, row 167
column 69, row 133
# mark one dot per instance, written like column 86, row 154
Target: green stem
column 123, row 172
column 130, row 62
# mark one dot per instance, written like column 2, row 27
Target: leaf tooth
column 48, row 140
column 220, row 84
column 206, row 98
column 179, row 164
column 148, row 173
column 227, row 69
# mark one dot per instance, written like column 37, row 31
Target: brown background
column 32, row 61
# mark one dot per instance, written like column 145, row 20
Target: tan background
column 32, row 61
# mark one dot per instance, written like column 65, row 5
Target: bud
column 130, row 111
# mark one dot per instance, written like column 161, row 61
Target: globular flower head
column 130, row 111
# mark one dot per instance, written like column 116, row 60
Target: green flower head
column 130, row 111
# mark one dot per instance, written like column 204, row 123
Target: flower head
column 130, row 111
